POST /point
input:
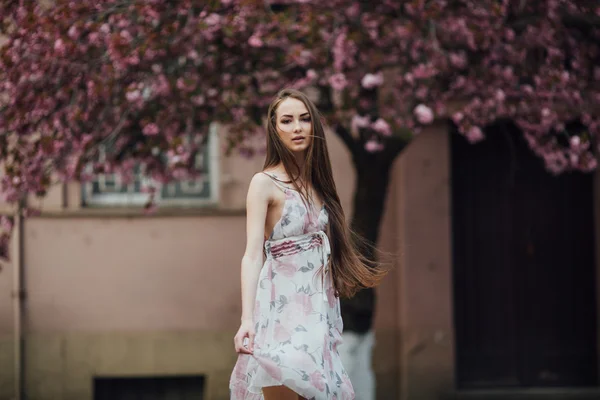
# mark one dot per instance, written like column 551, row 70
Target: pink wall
column 133, row 274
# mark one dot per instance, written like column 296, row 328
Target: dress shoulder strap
column 276, row 181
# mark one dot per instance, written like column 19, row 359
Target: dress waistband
column 297, row 244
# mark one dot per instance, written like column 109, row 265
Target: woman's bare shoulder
column 260, row 186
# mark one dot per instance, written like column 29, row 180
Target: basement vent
column 149, row 388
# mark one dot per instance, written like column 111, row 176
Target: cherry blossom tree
column 147, row 77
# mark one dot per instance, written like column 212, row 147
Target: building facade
column 111, row 293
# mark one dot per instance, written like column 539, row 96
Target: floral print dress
column 297, row 317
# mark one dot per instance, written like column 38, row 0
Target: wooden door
column 524, row 267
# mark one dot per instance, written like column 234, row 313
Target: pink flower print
column 291, row 314
column 287, row 269
column 271, row 368
column 317, row 380
column 331, row 299
column 348, row 390
column 239, row 392
column 256, row 313
column 281, row 334
column 305, row 301
column 327, row 356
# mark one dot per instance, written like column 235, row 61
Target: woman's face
column 294, row 124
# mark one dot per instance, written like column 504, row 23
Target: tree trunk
column 372, row 181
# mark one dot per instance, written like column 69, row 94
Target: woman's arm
column 257, row 203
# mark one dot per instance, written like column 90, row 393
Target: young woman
column 291, row 324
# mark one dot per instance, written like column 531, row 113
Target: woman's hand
column 246, row 331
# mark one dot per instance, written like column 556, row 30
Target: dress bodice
column 297, row 217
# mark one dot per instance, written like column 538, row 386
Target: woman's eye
column 287, row 121
column 306, row 120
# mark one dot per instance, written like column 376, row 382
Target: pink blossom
column 338, row 81
column 6, row 223
column 359, row 122
column 255, row 41
column 423, row 114
column 133, row 95
column 574, row 159
column 500, row 96
column 403, row 32
column 151, row 129
column 213, row 19
column 457, row 117
column 459, row 60
column 527, row 89
column 575, row 141
column 73, row 32
column 373, row 146
column 421, row 93
column 126, row 35
column 59, row 46
column 591, row 163
column 382, row 127
column 353, row 10
column 370, row 81
column 198, row 100
column 423, row 71
column 509, row 34
column 474, row 134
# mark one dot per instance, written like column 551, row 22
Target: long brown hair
column 351, row 270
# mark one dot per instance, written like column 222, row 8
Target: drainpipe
column 18, row 297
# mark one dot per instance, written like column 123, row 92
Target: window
column 108, row 190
